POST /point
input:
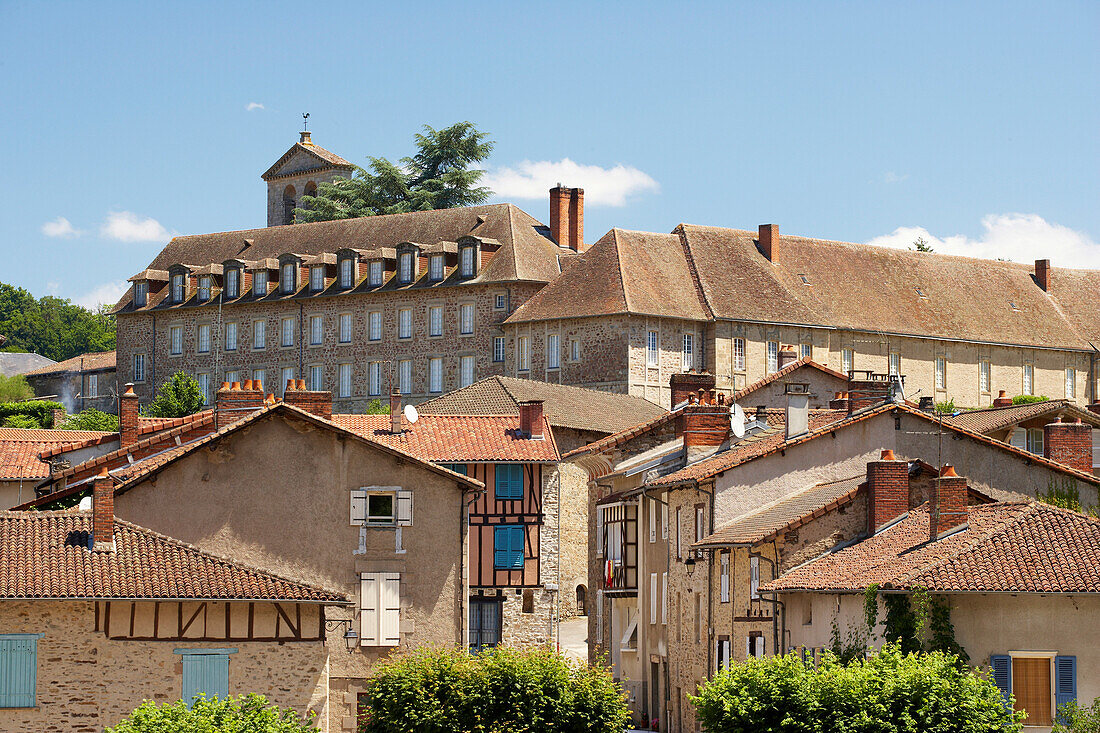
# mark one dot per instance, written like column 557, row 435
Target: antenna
column 305, row 120
column 737, row 420
column 411, row 414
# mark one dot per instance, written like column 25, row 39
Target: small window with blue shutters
column 205, row 672
column 509, row 481
column 1065, row 682
column 508, row 547
column 456, row 467
column 18, row 670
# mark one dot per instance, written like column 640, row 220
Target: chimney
column 58, row 416
column 1042, row 274
column 798, row 409
column 317, row 402
column 947, row 507
column 234, row 402
column 103, row 513
column 927, row 404
column 685, row 384
column 706, row 426
column 840, row 402
column 305, row 140
column 762, row 414
column 530, row 419
column 1001, row 401
column 567, row 217
column 128, row 417
column 787, row 355
column 1069, row 443
column 873, row 389
column 395, row 413
column 887, row 490
column 768, row 236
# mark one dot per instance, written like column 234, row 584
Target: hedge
column 240, row 714
column 40, row 411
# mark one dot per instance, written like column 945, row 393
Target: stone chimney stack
column 128, row 417
column 1069, row 443
column 1042, row 274
column 530, row 419
column 395, row 413
column 103, row 513
column 887, row 490
column 305, row 140
column 947, row 508
column 567, row 217
column 768, row 236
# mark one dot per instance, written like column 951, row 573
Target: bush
column 1027, row 399
column 500, row 690
column 91, row 419
column 886, row 693
column 15, row 388
column 1074, row 718
column 40, row 411
column 21, row 421
column 178, row 397
column 241, row 714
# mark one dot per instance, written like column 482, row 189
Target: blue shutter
column 509, row 481
column 508, row 548
column 518, row 537
column 1065, row 680
column 456, row 467
column 205, row 673
column 18, row 670
column 1002, row 676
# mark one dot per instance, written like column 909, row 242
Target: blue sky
column 971, row 124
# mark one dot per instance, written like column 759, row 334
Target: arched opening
column 288, row 204
column 310, row 190
column 582, row 598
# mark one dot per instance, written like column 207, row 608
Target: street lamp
column 351, row 639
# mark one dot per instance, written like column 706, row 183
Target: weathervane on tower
column 305, row 120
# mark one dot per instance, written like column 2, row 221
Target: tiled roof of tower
column 564, row 406
column 996, row 418
column 310, row 148
column 46, row 555
column 846, row 285
column 457, row 438
column 90, row 362
column 20, row 449
column 786, row 372
column 1013, row 547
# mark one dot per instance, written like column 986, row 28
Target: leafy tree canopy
column 52, row 327
column 240, row 714
column 438, row 176
column 15, row 388
column 179, row 396
column 91, row 419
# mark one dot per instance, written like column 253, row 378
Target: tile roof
column 332, row 160
column 997, row 418
column 787, row 513
column 852, row 286
column 1016, row 547
column 45, row 555
column 18, row 363
column 20, row 449
column 457, row 437
column 785, row 372
column 564, row 406
column 84, row 363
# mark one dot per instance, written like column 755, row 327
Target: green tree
column 91, row 419
column 1074, row 718
column 439, row 176
column 51, row 326
column 921, row 245
column 25, row 422
column 177, row 397
column 240, row 714
column 15, row 388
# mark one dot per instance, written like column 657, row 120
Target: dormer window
column 204, row 287
column 259, row 283
column 405, row 268
column 232, row 283
column 435, row 271
column 177, row 288
column 141, row 294
column 467, row 258
column 346, row 276
column 376, row 272
column 287, row 278
column 317, row 278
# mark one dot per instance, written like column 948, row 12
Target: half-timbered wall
column 208, row 621
column 487, row 513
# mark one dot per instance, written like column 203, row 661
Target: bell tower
column 297, row 174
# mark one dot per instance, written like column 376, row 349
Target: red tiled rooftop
column 20, row 449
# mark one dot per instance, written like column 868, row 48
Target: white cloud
column 1016, row 237
column 891, row 177
column 60, row 227
column 253, row 106
column 602, row 186
column 105, row 294
column 126, row 226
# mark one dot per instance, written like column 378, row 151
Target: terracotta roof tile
column 997, row 418
column 84, row 363
column 20, row 449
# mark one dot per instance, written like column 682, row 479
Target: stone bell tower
column 297, row 174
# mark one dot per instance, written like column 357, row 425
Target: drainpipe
column 463, row 554
column 557, row 593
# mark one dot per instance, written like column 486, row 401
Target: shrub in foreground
column 234, row 714
column 889, row 692
column 1075, row 718
column 501, row 690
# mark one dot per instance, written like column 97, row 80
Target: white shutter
column 368, row 608
column 754, row 577
column 1096, row 447
column 725, row 578
column 1018, row 438
column 358, row 506
column 389, row 628
column 599, row 532
column 664, row 521
column 652, row 520
column 404, row 508
column 653, row 598
column 664, row 598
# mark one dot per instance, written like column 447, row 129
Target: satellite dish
column 411, row 414
column 85, row 504
column 737, row 420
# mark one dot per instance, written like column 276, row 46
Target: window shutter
column 599, row 532
column 389, row 633
column 652, row 520
column 664, row 598
column 653, row 598
column 18, row 669
column 725, row 578
column 1065, row 681
column 358, row 506
column 205, row 674
column 508, row 548
column 404, row 508
column 368, row 608
column 518, row 537
column 664, row 521
column 1001, row 664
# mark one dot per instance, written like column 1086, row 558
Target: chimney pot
column 530, row 419
column 1001, row 400
column 887, row 455
column 103, row 513
column 236, row 386
column 247, row 384
column 947, row 470
column 683, row 384
column 787, row 356
column 768, row 236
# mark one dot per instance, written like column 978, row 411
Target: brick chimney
column 530, row 419
column 947, row 507
column 103, row 513
column 567, row 217
column 395, row 413
column 768, row 236
column 787, row 355
column 685, row 384
column 887, row 490
column 58, row 416
column 1069, row 443
column 1001, row 400
column 872, row 389
column 840, row 402
column 317, row 402
column 128, row 417
column 1042, row 274
column 235, row 401
column 706, row 426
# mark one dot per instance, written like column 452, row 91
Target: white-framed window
column 724, row 577
column 553, row 351
column 941, row 373
column 664, row 598
column 805, row 351
column 435, row 268
column 435, row 320
column 204, row 387
column 288, row 277
column 259, row 283
column 847, row 360
column 379, row 609
column 466, row 319
column 375, row 272
column 204, row 287
column 344, row 328
column 347, row 272
column 652, row 349
column 756, row 646
column 317, row 278
column 1029, row 379
column 574, row 350
column 406, row 262
column 404, row 323
column 203, row 340
column 1035, row 441
column 316, row 377
column 374, row 325
column 498, row 348
column 739, row 354
column 177, row 288
column 687, row 352
column 141, row 294
column 288, row 376
column 465, row 371
column 404, row 376
column 374, row 378
column 232, row 376
column 316, row 330
column 93, row 386
column 500, row 302
column 176, row 340
column 231, row 337
column 1071, row 383
column 983, row 376
column 895, row 363
column 466, row 264
column 286, row 332
column 139, row 367
column 653, row 598
column 259, row 378
column 343, row 374
column 435, row 374
column 772, row 358
column 259, row 334
column 754, row 578
column 233, row 283
column 523, row 354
